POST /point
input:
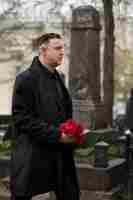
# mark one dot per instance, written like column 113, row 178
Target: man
column 41, row 160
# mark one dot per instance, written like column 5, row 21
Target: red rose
column 72, row 128
column 79, row 139
column 69, row 127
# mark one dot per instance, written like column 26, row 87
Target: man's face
column 54, row 52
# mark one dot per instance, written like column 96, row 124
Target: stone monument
column 84, row 70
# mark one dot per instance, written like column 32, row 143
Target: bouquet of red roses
column 71, row 131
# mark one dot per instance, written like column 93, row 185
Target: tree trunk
column 108, row 60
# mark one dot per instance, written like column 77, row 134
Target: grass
column 87, row 155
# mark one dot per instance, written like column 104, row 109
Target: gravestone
column 84, row 70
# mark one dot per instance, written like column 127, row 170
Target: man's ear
column 41, row 50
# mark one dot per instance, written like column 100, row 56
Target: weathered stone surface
column 101, row 154
column 84, row 60
column 84, row 70
column 88, row 113
column 102, row 179
column 96, row 195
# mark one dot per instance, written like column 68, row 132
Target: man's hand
column 67, row 139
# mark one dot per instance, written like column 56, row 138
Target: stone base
column 99, row 195
column 102, row 179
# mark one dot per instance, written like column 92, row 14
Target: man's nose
column 62, row 52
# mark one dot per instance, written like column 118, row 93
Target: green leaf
column 89, row 140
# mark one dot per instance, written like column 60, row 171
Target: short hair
column 44, row 39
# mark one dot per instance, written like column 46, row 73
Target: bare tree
column 108, row 55
column 108, row 59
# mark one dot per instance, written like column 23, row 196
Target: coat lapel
column 46, row 90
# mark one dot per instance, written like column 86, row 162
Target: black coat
column 39, row 162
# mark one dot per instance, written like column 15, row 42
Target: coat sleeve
column 24, row 117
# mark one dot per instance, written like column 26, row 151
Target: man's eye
column 58, row 48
